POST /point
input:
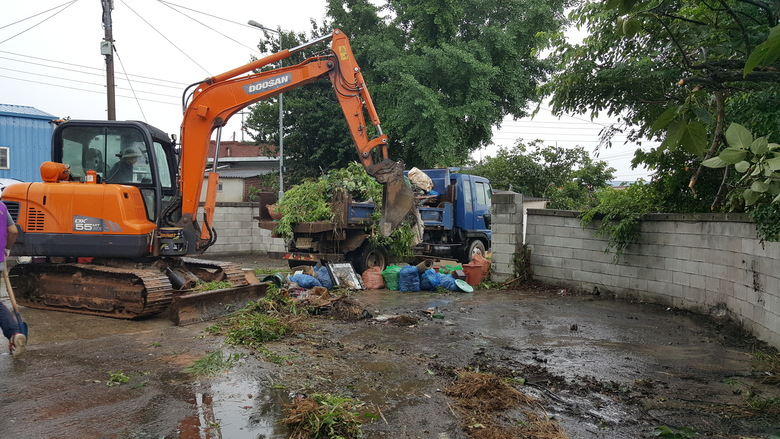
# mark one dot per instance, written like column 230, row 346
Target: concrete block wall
column 707, row 263
column 238, row 233
column 507, row 228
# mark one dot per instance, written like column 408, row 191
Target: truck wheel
column 368, row 256
column 473, row 248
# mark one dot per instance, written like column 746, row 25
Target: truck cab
column 457, row 219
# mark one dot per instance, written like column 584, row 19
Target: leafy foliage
column 679, row 72
column 758, row 188
column 355, row 180
column 202, row 286
column 620, row 213
column 304, row 202
column 566, row 176
column 400, row 243
column 310, row 200
column 441, row 75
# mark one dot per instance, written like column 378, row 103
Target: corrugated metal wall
column 29, row 142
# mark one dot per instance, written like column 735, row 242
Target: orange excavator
column 114, row 223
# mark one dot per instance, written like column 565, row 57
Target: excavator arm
column 217, row 98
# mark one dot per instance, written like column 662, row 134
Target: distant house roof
column 233, row 149
column 241, row 173
column 24, row 111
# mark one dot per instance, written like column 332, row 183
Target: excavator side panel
column 80, row 220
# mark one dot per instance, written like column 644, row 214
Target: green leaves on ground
column 325, row 416
column 253, row 329
column 214, row 363
column 117, row 378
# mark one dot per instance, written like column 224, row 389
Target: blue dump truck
column 455, row 215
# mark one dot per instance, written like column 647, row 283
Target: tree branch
column 766, row 7
column 719, row 78
column 721, row 189
column 742, row 29
column 676, row 43
column 720, row 113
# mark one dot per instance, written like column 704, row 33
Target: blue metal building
column 25, row 141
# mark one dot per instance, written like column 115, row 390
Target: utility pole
column 107, row 49
column 281, row 113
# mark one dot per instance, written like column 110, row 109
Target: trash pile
column 425, row 277
column 311, row 287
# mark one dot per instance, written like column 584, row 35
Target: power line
column 178, row 84
column 40, row 22
column 170, row 5
column 205, row 13
column 84, row 73
column 82, row 82
column 82, row 89
column 128, row 81
column 166, row 38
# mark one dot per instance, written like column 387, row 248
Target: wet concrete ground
column 602, row 368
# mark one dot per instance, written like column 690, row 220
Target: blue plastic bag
column 409, row 279
column 324, row 277
column 429, row 280
column 305, row 281
column 447, row 281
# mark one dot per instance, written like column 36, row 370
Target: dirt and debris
column 482, row 402
column 627, row 371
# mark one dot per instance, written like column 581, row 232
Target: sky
column 50, row 59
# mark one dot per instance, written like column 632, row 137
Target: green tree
column 442, row 74
column 679, row 71
column 568, row 177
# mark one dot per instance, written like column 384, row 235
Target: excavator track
column 118, row 290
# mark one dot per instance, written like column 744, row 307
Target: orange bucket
column 474, row 274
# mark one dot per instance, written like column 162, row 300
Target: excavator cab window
column 119, row 155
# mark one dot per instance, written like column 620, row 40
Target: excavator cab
column 104, row 193
column 127, row 153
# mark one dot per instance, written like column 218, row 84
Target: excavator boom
column 217, row 98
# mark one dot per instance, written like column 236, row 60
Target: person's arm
column 11, row 233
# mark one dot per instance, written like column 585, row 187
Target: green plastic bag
column 390, row 276
column 450, row 268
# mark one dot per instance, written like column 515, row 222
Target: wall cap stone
column 704, row 217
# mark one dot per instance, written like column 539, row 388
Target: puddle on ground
column 231, row 407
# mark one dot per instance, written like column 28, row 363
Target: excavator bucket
column 397, row 197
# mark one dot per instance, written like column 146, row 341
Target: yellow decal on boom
column 343, row 53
